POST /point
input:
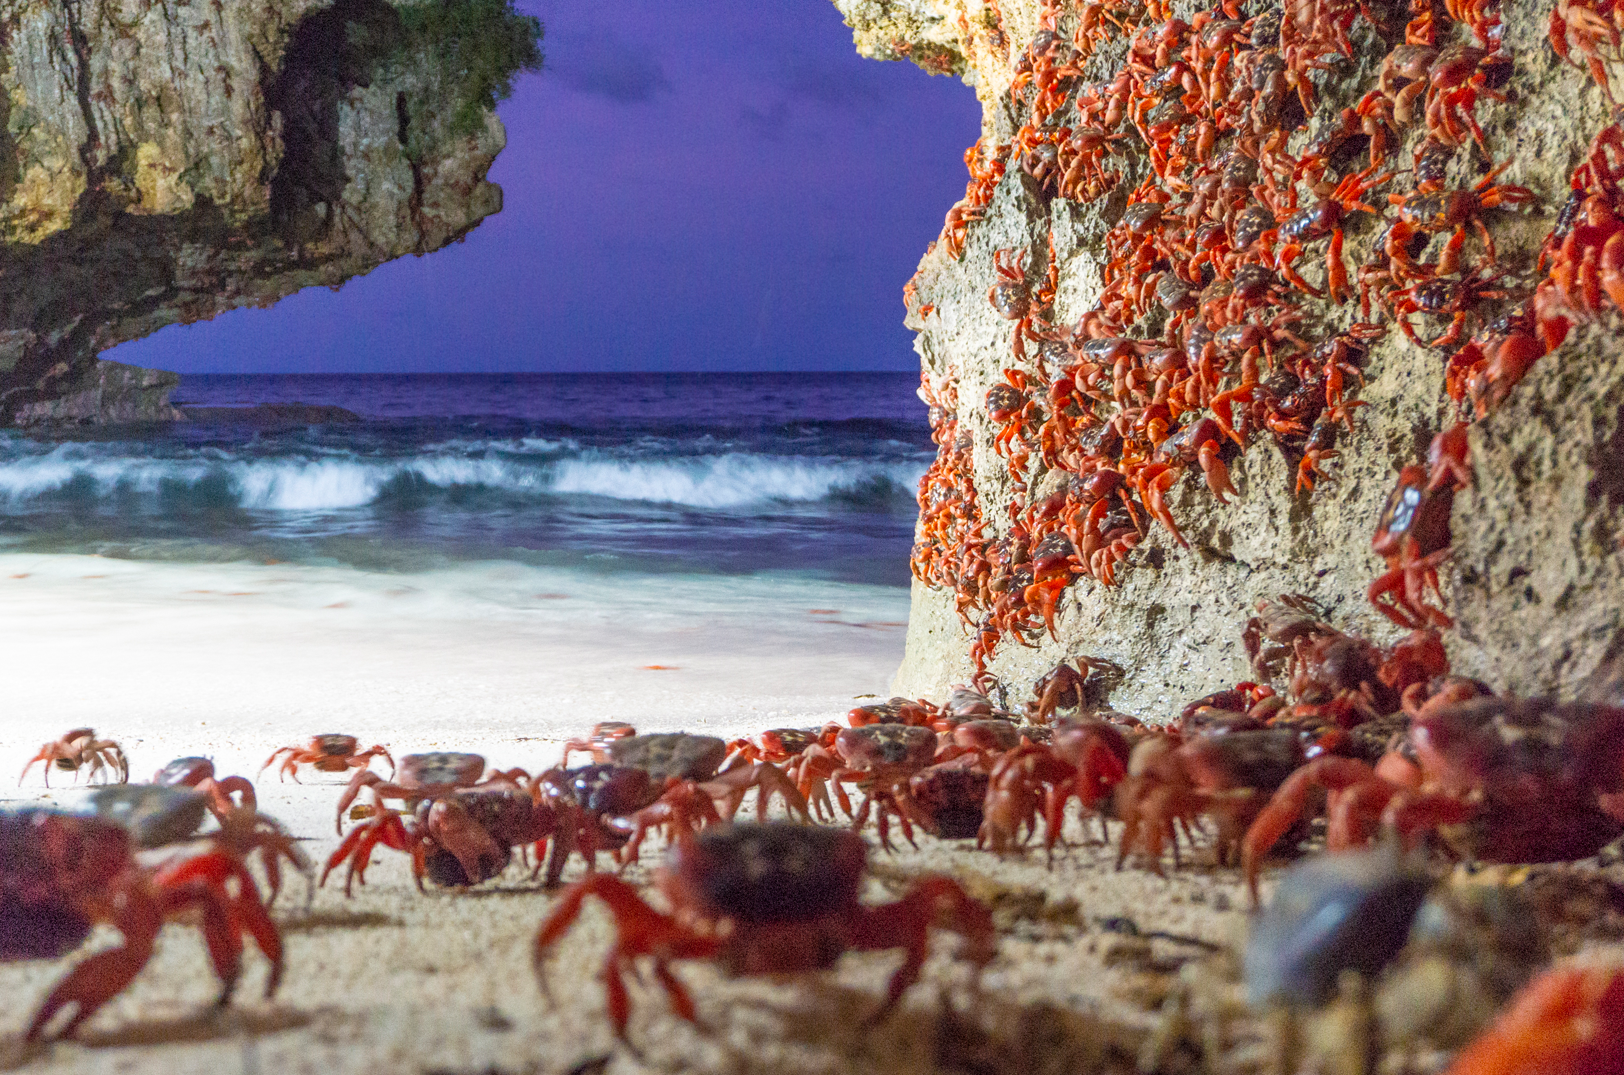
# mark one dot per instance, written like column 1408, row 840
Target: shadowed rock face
column 1535, row 582
column 161, row 163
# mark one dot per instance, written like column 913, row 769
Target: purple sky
column 707, row 185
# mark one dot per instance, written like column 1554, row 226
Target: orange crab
column 457, row 839
column 778, row 898
column 80, row 748
column 1568, row 1021
column 328, row 754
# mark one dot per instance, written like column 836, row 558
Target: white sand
column 234, row 660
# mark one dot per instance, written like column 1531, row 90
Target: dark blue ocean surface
column 710, row 473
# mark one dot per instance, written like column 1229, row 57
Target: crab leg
column 906, row 923
column 99, row 978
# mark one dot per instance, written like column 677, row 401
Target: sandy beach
column 234, row 660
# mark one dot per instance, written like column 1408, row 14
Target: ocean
column 482, row 562
column 715, row 474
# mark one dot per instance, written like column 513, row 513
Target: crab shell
column 671, row 754
column 440, row 769
column 334, row 745
column 876, row 746
column 154, row 814
column 953, row 797
column 47, row 858
column 610, row 790
column 1538, row 767
column 787, row 742
column 788, row 886
column 187, row 771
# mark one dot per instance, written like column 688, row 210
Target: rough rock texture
column 1535, row 580
column 163, row 162
column 108, row 393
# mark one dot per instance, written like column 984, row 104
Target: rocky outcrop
column 163, row 162
column 109, row 393
column 1535, row 582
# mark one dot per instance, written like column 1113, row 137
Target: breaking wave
column 531, row 469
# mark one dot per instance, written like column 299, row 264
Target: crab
column 948, row 800
column 1066, row 687
column 677, row 758
column 420, row 777
column 1444, row 210
column 164, row 815
column 774, row 744
column 765, row 899
column 604, row 734
column 456, row 839
column 1324, row 218
column 589, row 797
column 80, row 748
column 198, row 773
column 61, row 874
column 1502, row 779
column 879, row 758
column 688, row 789
column 1413, row 536
column 330, row 753
column 1223, row 775
column 1568, row 1021
column 1369, row 934
column 1443, row 298
column 1085, row 759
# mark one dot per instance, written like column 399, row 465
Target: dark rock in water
column 270, row 415
column 108, row 393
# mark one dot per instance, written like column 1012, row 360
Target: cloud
column 606, row 66
column 831, row 88
column 799, row 84
column 765, row 123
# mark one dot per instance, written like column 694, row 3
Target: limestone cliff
column 1534, row 583
column 163, row 161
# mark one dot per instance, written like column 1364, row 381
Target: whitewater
column 737, row 474
column 488, row 561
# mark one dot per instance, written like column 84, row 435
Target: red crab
column 689, row 791
column 773, row 899
column 1220, row 775
column 1085, row 759
column 1065, row 687
column 680, row 764
column 458, row 839
column 1324, row 218
column 1568, row 1021
column 604, row 735
column 879, row 758
column 199, row 773
column 1503, row 779
column 421, row 776
column 328, row 754
column 163, row 815
column 1413, row 537
column 80, row 747
column 61, row 874
column 948, row 800
column 774, row 744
